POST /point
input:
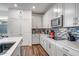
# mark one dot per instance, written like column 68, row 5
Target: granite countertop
column 10, row 40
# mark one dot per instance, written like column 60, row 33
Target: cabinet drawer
column 70, row 52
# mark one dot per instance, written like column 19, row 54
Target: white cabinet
column 69, row 14
column 53, row 50
column 52, row 13
column 43, row 42
column 60, row 9
column 35, row 38
column 48, row 48
column 17, row 51
column 76, row 20
column 59, row 51
column 77, row 10
column 14, row 28
column 20, row 24
column 37, row 21
column 56, row 48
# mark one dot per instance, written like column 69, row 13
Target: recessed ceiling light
column 55, row 10
column 33, row 7
column 15, row 5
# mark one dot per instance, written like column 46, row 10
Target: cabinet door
column 40, row 40
column 14, row 28
column 77, row 14
column 54, row 13
column 17, row 51
column 49, row 48
column 35, row 38
column 53, row 50
column 69, row 14
column 59, row 51
column 60, row 12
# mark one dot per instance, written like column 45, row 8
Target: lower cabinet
column 59, row 51
column 51, row 48
column 17, row 51
column 48, row 47
column 55, row 49
column 35, row 38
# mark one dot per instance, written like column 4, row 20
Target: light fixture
column 59, row 10
column 33, row 7
column 55, row 10
column 15, row 5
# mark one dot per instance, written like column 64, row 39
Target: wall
column 20, row 24
column 37, row 20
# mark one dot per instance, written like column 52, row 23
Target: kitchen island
column 14, row 50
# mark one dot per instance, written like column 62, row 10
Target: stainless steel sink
column 5, row 47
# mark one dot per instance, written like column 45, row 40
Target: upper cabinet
column 53, row 12
column 69, row 14
column 35, row 19
column 60, row 9
column 76, row 19
column 57, row 10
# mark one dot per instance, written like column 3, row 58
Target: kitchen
column 39, row 29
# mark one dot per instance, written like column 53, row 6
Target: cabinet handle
column 49, row 45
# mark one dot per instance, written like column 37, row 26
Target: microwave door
column 60, row 21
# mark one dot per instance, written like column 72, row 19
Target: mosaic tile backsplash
column 74, row 31
column 63, row 32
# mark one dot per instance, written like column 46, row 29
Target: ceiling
column 40, row 7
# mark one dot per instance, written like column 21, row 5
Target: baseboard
column 35, row 44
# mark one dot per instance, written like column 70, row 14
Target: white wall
column 20, row 24
column 37, row 20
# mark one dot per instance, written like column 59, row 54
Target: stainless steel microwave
column 57, row 22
